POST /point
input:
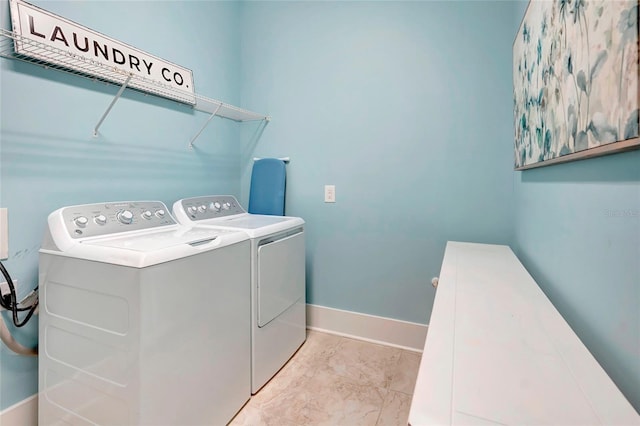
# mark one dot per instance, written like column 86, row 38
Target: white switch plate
column 329, row 193
column 4, row 234
column 4, row 287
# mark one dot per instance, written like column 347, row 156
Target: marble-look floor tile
column 335, row 400
column 253, row 415
column 395, row 410
column 249, row 415
column 317, row 348
column 280, row 397
column 278, row 402
column 364, row 363
column 406, row 373
column 336, row 381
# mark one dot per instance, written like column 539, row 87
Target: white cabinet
column 498, row 352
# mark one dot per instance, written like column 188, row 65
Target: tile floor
column 335, row 380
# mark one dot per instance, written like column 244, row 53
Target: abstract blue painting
column 575, row 79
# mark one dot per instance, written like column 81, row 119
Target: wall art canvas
column 575, row 79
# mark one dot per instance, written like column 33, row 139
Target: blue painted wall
column 577, row 231
column 406, row 107
column 49, row 158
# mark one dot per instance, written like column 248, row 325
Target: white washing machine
column 143, row 321
column 278, row 317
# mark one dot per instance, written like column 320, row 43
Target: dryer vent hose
column 12, row 344
column 14, row 307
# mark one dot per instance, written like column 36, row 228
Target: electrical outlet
column 5, row 291
column 4, row 234
column 329, row 193
column 4, row 287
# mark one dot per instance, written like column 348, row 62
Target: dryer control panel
column 91, row 220
column 211, row 207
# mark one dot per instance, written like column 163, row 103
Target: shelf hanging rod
column 124, row 86
column 203, row 127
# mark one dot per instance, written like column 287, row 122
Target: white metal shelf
column 86, row 67
column 220, row 109
column 227, row 111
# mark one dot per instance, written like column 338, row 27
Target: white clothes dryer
column 143, row 321
column 278, row 317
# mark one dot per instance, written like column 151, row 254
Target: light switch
column 329, row 193
column 4, row 234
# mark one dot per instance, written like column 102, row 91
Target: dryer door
column 281, row 276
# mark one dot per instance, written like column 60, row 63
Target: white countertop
column 498, row 352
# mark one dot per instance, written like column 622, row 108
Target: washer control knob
column 160, row 213
column 81, row 221
column 192, row 209
column 217, row 206
column 226, row 206
column 100, row 219
column 147, row 214
column 125, row 217
column 202, row 208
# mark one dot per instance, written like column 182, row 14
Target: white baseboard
column 371, row 328
column 24, row 413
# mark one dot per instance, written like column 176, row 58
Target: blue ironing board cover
column 266, row 194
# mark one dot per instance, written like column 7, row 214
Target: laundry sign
column 81, row 49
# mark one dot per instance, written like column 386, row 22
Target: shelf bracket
column 203, row 127
column 124, row 86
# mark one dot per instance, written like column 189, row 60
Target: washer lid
column 140, row 249
column 255, row 225
column 224, row 211
column 160, row 240
column 252, row 221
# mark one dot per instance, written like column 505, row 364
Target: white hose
column 12, row 344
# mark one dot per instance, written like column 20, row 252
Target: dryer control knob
column 125, row 217
column 100, row 219
column 160, row 213
column 81, row 221
column 217, row 206
column 147, row 214
column 192, row 209
column 226, row 206
column 202, row 208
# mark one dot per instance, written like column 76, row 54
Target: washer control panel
column 211, row 207
column 91, row 220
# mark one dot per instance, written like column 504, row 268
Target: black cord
column 13, row 301
column 12, row 289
